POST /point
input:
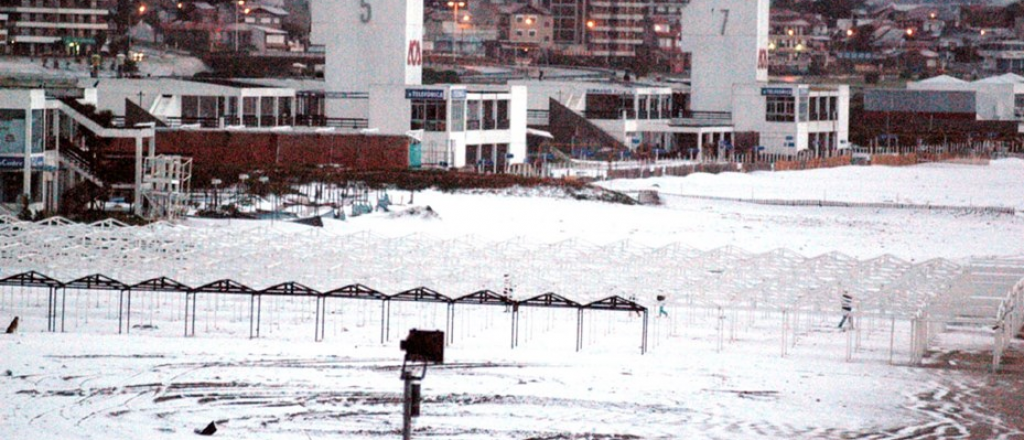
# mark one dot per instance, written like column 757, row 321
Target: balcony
column 691, row 118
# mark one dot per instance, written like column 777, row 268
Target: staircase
column 78, row 161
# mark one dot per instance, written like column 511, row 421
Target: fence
column 1001, row 210
column 234, row 295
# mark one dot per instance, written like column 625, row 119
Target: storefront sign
column 433, row 94
column 458, row 93
column 18, row 162
column 776, row 91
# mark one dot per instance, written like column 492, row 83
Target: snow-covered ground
column 155, row 63
column 996, row 184
column 705, row 376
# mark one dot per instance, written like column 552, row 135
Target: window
column 519, row 19
column 533, row 33
column 519, row 33
column 458, row 115
column 642, row 107
column 503, row 122
column 814, row 109
column 833, row 112
column 473, row 115
column 428, row 115
column 38, row 131
column 489, row 122
column 780, row 109
column 803, row 109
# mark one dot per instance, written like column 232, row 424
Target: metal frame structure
column 929, row 296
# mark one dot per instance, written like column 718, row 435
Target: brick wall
column 255, row 149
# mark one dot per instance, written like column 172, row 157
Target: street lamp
column 455, row 5
column 591, row 25
column 142, row 10
column 265, row 180
column 237, row 5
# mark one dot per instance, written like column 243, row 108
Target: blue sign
column 433, row 94
column 458, row 93
column 776, row 91
column 18, row 162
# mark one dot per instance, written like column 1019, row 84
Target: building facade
column 56, row 27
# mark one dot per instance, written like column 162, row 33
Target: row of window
column 212, row 107
column 780, row 109
column 817, row 108
column 486, row 114
column 823, row 108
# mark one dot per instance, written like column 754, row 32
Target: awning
column 79, row 40
column 539, row 133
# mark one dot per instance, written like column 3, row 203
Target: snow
column 705, row 375
column 936, row 184
column 155, row 63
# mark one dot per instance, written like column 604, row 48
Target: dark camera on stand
column 424, row 346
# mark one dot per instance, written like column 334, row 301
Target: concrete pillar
column 26, row 180
column 137, row 200
column 277, row 109
column 55, row 196
column 700, row 146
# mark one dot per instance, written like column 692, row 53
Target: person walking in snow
column 661, row 306
column 846, row 303
column 506, row 291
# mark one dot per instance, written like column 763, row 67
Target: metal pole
column 49, row 308
column 316, row 323
column 120, row 309
column 323, row 318
column 186, row 314
column 579, row 329
column 407, row 409
column 252, row 314
column 128, row 315
column 63, row 305
column 643, row 341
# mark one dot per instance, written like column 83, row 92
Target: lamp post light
column 455, row 5
column 242, row 178
column 142, row 10
column 264, row 180
column 238, row 4
column 216, row 187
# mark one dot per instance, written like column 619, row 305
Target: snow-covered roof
column 268, row 30
column 275, row 11
column 203, row 5
column 1006, row 78
column 941, row 79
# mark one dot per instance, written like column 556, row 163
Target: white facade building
column 728, row 43
column 208, row 103
column 457, row 125
column 791, row 119
column 25, row 168
column 996, row 98
column 373, row 71
column 369, row 44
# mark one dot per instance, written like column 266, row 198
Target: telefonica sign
column 437, row 94
column 776, row 91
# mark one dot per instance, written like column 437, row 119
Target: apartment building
column 55, row 27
